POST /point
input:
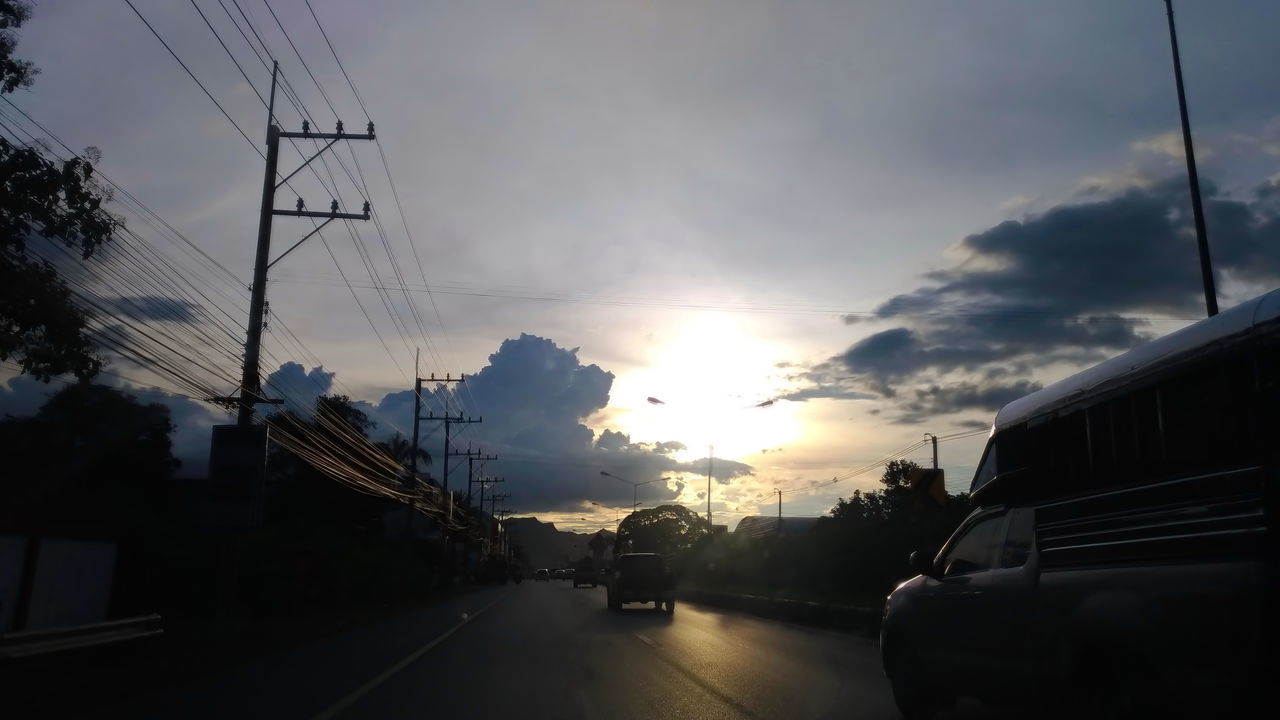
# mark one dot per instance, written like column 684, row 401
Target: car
column 585, row 574
column 641, row 578
column 1119, row 554
column 568, row 574
column 557, row 574
column 542, row 575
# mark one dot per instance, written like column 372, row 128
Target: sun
column 704, row 385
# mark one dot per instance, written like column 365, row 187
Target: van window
column 1020, row 538
column 975, row 549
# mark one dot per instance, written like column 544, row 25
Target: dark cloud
column 938, row 399
column 153, row 308
column 1072, row 285
column 535, row 398
column 300, row 387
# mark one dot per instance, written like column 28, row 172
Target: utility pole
column 491, row 481
column 449, row 421
column 250, row 379
column 1193, row 178
column 779, row 492
column 471, row 472
column 934, row 438
column 711, row 453
column 417, row 408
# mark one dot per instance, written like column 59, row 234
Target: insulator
column 306, row 127
column 339, row 127
column 299, row 204
column 370, row 127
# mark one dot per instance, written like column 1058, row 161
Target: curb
column 848, row 618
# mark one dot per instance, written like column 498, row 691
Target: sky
column 889, row 218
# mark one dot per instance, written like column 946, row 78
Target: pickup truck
column 641, row 578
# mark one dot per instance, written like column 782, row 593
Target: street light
column 634, row 486
column 711, row 448
column 617, row 515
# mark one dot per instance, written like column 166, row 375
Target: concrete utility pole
column 711, row 453
column 471, row 473
column 779, row 492
column 417, row 409
column 934, row 438
column 1193, row 178
column 250, row 379
column 449, row 421
column 491, row 481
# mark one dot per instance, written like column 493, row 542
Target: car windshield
column 569, row 359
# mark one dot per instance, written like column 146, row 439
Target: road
column 548, row 650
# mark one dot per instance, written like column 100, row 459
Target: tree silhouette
column 401, row 449
column 665, row 529
column 40, row 324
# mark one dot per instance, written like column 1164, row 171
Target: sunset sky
column 887, row 217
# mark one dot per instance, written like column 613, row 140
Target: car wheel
column 671, row 607
column 915, row 700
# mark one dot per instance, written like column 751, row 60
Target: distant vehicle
column 1120, row 553
column 558, row 574
column 568, row 574
column 542, row 575
column 641, row 578
column 585, row 574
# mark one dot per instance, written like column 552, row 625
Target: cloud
column 1072, row 285
column 153, row 308
column 300, row 387
column 535, row 399
column 1169, row 144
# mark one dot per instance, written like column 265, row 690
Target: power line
column 197, row 80
column 335, row 58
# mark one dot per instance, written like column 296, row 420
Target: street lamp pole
column 1193, row 178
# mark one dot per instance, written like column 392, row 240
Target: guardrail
column 25, row 644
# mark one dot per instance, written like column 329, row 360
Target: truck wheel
column 671, row 607
column 612, row 603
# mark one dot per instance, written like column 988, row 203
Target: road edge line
column 350, row 698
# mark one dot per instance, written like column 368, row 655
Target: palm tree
column 399, row 448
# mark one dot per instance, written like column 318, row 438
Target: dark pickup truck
column 641, row 578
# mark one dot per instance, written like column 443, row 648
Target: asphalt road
column 549, row 650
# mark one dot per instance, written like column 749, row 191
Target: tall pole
column 250, row 379
column 417, row 418
column 1193, row 178
column 934, row 438
column 779, row 509
column 711, row 453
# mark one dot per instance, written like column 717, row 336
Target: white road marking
column 646, row 640
column 346, row 702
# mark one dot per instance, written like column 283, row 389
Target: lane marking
column 346, row 702
column 702, row 683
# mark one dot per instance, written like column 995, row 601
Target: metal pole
column 711, row 452
column 1193, row 178
column 250, row 379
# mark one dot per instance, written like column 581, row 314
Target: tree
column 336, row 433
column 91, row 454
column 40, row 324
column 664, row 529
column 399, row 448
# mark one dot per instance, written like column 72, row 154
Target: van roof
column 1141, row 360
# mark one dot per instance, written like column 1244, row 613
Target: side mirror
column 922, row 564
